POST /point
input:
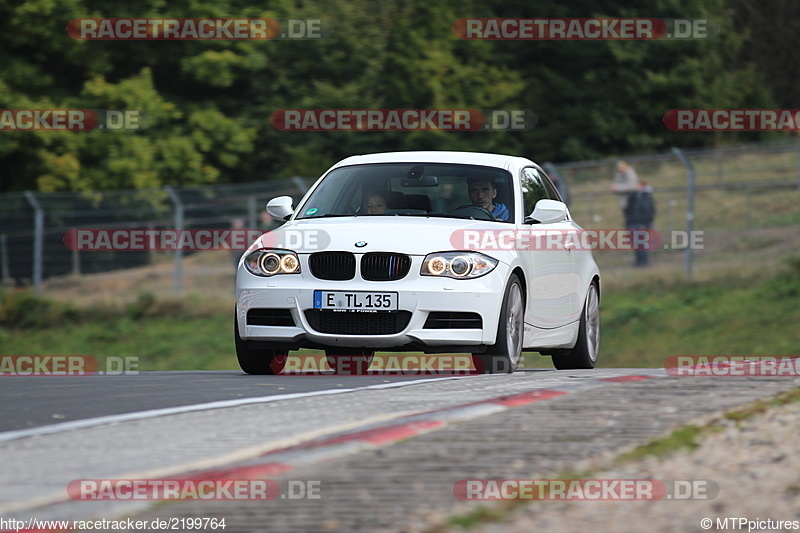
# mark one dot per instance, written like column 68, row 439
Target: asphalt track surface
column 33, row 401
column 386, row 449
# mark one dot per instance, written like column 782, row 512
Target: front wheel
column 586, row 350
column 257, row 361
column 504, row 356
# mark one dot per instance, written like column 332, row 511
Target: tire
column 359, row 360
column 504, row 356
column 257, row 361
column 586, row 350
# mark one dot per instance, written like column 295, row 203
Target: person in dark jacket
column 640, row 211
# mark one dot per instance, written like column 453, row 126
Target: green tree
column 208, row 103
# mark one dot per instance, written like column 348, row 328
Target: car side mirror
column 280, row 207
column 547, row 212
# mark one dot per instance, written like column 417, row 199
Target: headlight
column 272, row 262
column 458, row 265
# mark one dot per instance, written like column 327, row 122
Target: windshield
column 413, row 189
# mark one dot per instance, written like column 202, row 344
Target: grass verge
column 642, row 325
column 684, row 438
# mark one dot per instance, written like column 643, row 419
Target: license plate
column 355, row 301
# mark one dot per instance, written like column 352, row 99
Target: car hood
column 408, row 235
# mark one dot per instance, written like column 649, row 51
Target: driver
column 482, row 192
column 376, row 203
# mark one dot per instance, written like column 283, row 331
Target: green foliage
column 144, row 302
column 684, row 438
column 641, row 326
column 22, row 310
column 208, row 103
column 785, row 287
column 794, row 266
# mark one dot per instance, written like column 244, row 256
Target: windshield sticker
column 312, row 211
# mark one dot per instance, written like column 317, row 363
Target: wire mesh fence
column 738, row 188
column 739, row 191
column 33, row 226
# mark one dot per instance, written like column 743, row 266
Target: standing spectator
column 625, row 182
column 640, row 210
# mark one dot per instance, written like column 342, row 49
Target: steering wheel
column 475, row 211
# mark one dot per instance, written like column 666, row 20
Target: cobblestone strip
column 753, row 462
column 409, row 486
column 167, row 446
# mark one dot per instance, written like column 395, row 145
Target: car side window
column 533, row 189
column 552, row 192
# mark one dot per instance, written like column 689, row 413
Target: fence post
column 76, row 263
column 690, row 177
column 151, row 254
column 251, row 212
column 670, row 210
column 38, row 241
column 798, row 163
column 4, row 274
column 177, row 277
column 749, row 207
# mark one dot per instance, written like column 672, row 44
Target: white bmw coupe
column 434, row 252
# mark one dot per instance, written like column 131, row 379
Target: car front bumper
column 417, row 295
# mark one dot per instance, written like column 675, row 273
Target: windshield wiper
column 442, row 215
column 329, row 215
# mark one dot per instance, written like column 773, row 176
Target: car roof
column 469, row 158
